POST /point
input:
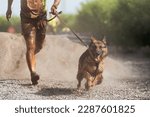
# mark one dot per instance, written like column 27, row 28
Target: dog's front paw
column 79, row 92
column 87, row 87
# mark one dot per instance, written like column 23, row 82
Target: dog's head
column 98, row 48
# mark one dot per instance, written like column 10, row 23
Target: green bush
column 124, row 22
column 94, row 16
column 14, row 21
column 131, row 22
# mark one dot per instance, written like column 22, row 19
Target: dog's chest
column 93, row 67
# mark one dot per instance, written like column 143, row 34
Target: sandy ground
column 124, row 78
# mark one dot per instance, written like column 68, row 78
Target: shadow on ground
column 55, row 91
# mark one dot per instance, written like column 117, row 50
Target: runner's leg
column 29, row 33
column 40, row 38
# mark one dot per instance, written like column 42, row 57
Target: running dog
column 91, row 63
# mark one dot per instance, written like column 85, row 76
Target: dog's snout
column 99, row 52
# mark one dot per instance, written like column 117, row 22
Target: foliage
column 125, row 22
column 14, row 21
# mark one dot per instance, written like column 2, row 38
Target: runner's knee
column 30, row 43
column 31, row 47
column 40, row 41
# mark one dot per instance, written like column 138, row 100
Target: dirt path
column 57, row 66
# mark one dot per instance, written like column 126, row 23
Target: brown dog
column 91, row 63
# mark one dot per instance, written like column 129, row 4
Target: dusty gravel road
column 127, row 78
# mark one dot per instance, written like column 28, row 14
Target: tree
column 125, row 22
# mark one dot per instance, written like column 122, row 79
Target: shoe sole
column 35, row 80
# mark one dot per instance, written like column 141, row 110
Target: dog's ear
column 93, row 39
column 104, row 40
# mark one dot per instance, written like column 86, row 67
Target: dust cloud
column 58, row 60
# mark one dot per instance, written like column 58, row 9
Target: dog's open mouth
column 99, row 53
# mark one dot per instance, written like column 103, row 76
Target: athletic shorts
column 29, row 25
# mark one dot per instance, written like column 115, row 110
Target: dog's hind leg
column 79, row 78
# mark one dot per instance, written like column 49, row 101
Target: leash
column 57, row 15
column 48, row 20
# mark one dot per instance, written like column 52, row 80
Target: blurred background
column 124, row 22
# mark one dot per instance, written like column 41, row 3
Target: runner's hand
column 8, row 14
column 54, row 9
